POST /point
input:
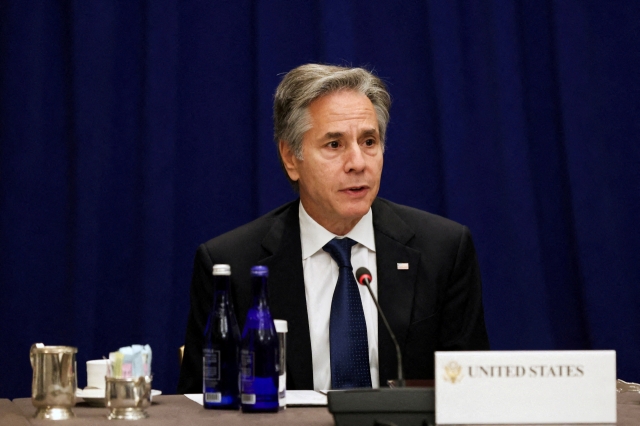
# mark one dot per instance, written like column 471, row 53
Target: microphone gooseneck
column 363, row 277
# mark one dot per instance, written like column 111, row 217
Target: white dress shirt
column 320, row 278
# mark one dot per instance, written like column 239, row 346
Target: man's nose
column 354, row 158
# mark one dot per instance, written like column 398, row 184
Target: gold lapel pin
column 403, row 266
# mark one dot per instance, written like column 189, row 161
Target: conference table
column 179, row 410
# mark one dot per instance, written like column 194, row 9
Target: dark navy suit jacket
column 434, row 305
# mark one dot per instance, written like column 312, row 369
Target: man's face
column 339, row 175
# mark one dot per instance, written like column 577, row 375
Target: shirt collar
column 313, row 236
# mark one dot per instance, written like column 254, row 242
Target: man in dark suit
column 330, row 124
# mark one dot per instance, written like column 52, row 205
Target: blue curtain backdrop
column 132, row 131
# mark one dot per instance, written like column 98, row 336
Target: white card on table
column 523, row 387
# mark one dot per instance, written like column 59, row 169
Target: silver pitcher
column 53, row 390
column 128, row 399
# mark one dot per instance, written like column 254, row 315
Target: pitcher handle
column 32, row 350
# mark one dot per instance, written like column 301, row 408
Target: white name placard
column 525, row 387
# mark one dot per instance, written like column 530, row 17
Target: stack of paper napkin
column 131, row 361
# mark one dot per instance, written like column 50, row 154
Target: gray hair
column 306, row 83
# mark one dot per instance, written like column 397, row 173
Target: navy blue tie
column 347, row 327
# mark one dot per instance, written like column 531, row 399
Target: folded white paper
column 521, row 387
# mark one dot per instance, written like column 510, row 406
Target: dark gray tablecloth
column 629, row 408
column 179, row 410
column 11, row 414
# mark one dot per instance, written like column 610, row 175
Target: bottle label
column 210, row 364
column 249, row 399
column 213, row 397
column 247, row 359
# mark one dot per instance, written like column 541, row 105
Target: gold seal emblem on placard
column 453, row 372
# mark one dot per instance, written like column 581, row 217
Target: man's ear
column 289, row 160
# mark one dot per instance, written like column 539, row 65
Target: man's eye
column 334, row 144
column 370, row 142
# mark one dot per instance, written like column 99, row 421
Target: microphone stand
column 366, row 282
column 365, row 407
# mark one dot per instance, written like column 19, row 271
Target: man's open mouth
column 356, row 188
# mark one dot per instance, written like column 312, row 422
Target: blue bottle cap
column 259, row 271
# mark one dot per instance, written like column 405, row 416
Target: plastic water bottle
column 220, row 352
column 260, row 353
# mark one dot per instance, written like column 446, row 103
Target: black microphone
column 363, row 277
column 384, row 406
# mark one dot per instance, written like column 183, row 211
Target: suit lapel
column 287, row 298
column 396, row 287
